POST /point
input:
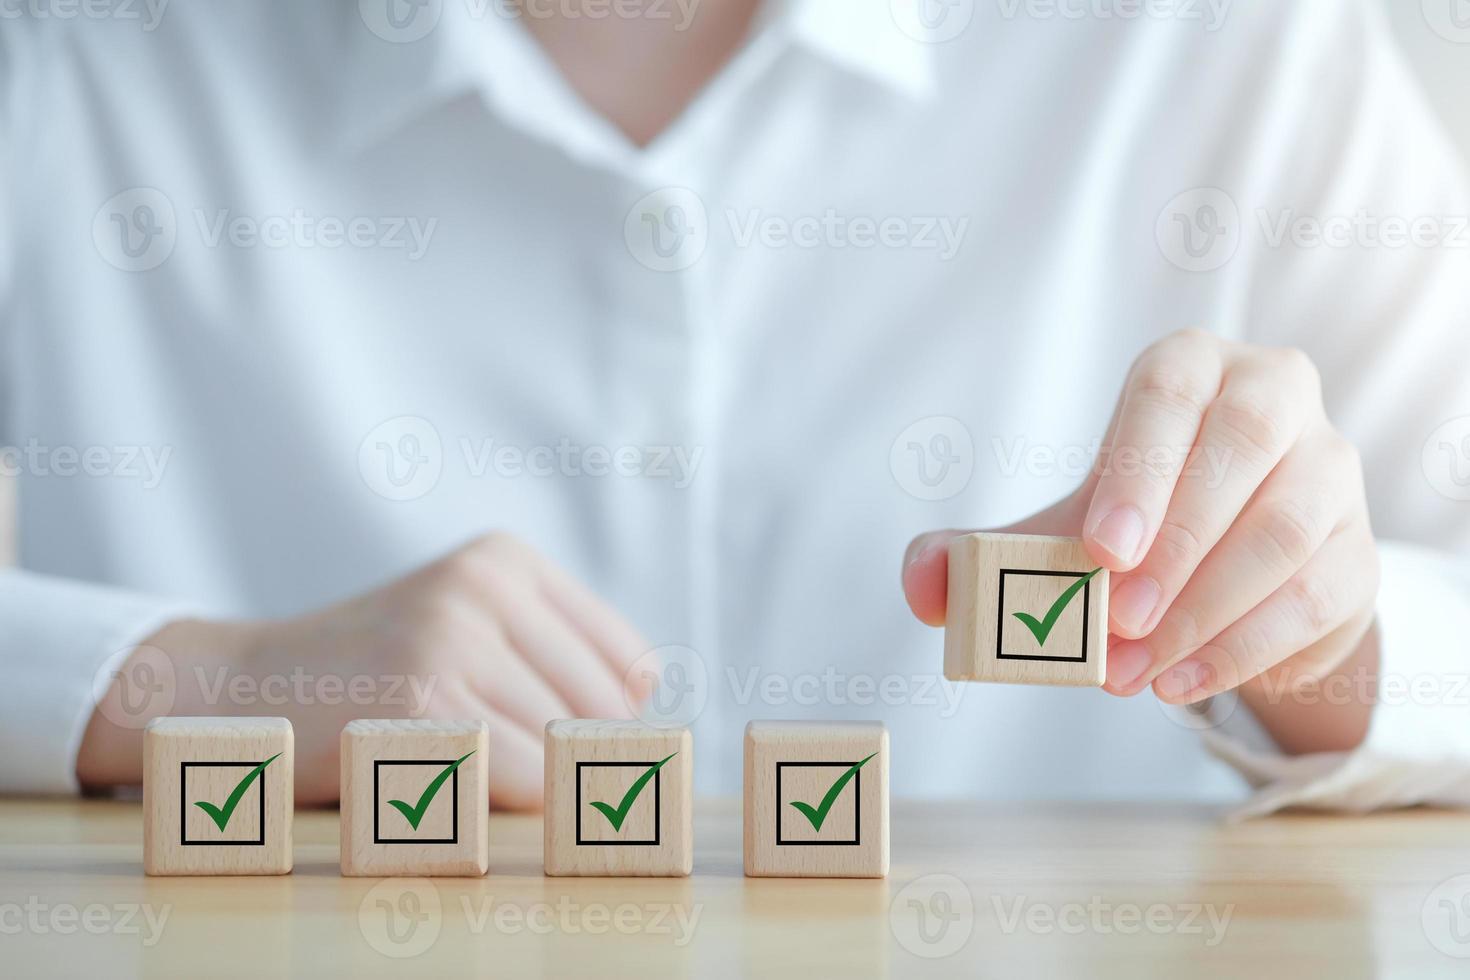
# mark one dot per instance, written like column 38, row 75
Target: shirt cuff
column 1417, row 750
column 61, row 640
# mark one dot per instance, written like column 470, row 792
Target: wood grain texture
column 186, row 760
column 398, row 760
column 994, row 576
column 599, row 761
column 1308, row 895
column 800, row 761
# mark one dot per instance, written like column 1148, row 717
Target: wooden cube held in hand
column 218, row 796
column 816, row 799
column 1024, row 609
column 415, row 798
column 619, row 799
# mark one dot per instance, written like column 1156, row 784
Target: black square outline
column 658, row 822
column 1000, row 654
column 184, row 808
column 857, row 807
column 453, row 802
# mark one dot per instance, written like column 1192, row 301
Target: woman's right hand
column 492, row 631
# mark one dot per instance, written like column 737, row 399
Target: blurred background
column 1443, row 66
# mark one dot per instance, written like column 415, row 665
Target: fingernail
column 1127, row 662
column 1120, row 532
column 1180, row 679
column 1134, row 601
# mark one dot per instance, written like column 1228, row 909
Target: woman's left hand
column 1233, row 517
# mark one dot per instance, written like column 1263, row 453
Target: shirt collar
column 455, row 48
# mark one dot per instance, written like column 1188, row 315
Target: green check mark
column 221, row 814
column 616, row 817
column 414, row 814
column 1041, row 629
column 818, row 815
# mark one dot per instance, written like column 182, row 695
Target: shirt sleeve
column 57, row 637
column 60, row 643
column 1372, row 279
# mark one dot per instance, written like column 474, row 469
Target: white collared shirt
column 297, row 297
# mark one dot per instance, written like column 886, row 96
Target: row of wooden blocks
column 218, row 798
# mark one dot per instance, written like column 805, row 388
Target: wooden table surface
column 987, row 890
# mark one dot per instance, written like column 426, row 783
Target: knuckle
column 499, row 546
column 1169, row 389
column 1289, row 534
column 1184, row 629
column 1251, row 422
column 1313, row 603
column 1178, row 545
column 1299, row 367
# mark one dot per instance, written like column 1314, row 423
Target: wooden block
column 841, row 834
column 595, row 824
column 199, row 773
column 997, row 579
column 415, row 798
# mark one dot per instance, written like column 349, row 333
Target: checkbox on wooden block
column 816, row 799
column 1025, row 609
column 415, row 798
column 619, row 799
column 218, row 796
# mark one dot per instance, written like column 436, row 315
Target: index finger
column 1159, row 417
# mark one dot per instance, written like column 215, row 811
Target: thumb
column 926, row 561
